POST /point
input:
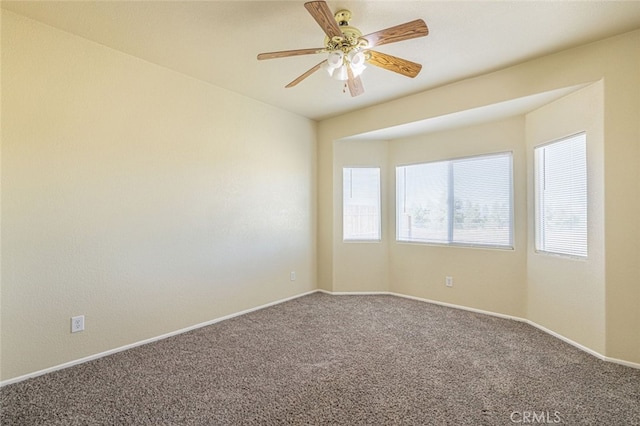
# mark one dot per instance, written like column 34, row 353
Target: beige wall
column 487, row 279
column 615, row 62
column 361, row 266
column 149, row 201
column 143, row 199
column 622, row 197
column 567, row 295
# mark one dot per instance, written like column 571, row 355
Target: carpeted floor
column 338, row 360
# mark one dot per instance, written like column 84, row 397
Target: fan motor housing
column 351, row 36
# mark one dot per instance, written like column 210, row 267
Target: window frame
column 379, row 207
column 537, row 206
column 451, row 205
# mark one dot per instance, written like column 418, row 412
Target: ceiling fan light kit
column 337, row 63
column 348, row 51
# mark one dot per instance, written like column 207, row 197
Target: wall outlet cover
column 77, row 324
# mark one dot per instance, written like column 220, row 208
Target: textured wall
column 143, row 199
column 488, row 279
column 564, row 294
column 616, row 61
column 362, row 266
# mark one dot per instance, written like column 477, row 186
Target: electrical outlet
column 448, row 281
column 292, row 276
column 77, row 324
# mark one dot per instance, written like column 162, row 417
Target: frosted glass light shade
column 335, row 59
column 341, row 73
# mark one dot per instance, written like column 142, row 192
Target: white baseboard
column 567, row 340
column 421, row 299
column 145, row 341
column 584, row 348
column 499, row 315
column 354, row 293
column 338, row 293
column 622, row 362
column 464, row 308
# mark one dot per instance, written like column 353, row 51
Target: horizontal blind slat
column 561, row 182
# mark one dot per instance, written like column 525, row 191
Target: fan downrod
column 343, row 17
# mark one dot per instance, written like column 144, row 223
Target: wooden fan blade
column 305, row 75
column 400, row 32
column 355, row 84
column 323, row 16
column 286, row 53
column 393, row 63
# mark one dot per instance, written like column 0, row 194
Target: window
column 361, row 203
column 561, row 196
column 466, row 201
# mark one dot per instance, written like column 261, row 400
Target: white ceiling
column 217, row 41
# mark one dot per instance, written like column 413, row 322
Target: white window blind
column 561, row 196
column 361, row 203
column 465, row 201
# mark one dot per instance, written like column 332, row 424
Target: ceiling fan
column 348, row 50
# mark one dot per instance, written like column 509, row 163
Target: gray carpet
column 338, row 360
